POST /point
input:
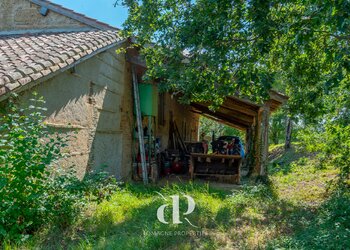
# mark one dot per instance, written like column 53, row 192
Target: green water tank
column 148, row 99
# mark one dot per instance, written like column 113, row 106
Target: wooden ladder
column 139, row 126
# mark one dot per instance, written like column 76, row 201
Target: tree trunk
column 288, row 133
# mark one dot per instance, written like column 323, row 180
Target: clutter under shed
column 166, row 139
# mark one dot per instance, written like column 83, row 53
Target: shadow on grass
column 252, row 210
column 329, row 228
column 281, row 160
column 139, row 189
column 139, row 228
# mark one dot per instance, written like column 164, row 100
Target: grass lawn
column 295, row 212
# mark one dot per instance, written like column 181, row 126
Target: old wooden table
column 225, row 168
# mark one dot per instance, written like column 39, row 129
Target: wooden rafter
column 235, row 113
column 222, row 121
column 242, row 107
column 221, row 116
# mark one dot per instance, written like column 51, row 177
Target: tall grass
column 285, row 214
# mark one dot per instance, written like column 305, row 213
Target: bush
column 66, row 194
column 27, row 151
column 333, row 146
column 33, row 190
column 330, row 229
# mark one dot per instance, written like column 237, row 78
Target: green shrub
column 67, row 195
column 332, row 145
column 27, row 151
column 34, row 191
column 330, row 229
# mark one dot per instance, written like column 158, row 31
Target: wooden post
column 264, row 139
column 261, row 140
column 257, row 144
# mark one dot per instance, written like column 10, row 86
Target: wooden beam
column 230, row 113
column 136, row 60
column 239, row 127
column 220, row 121
column 274, row 105
column 233, row 125
column 245, row 101
column 221, row 116
column 274, row 95
column 242, row 107
column 236, row 114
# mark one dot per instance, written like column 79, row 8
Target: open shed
column 240, row 113
column 253, row 119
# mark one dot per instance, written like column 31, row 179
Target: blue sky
column 103, row 10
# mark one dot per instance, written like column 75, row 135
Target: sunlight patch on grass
column 252, row 217
column 305, row 182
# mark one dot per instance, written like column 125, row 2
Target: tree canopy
column 210, row 49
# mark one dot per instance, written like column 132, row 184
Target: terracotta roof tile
column 27, row 58
column 3, row 90
column 25, row 80
column 13, row 85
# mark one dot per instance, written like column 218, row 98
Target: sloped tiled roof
column 24, row 59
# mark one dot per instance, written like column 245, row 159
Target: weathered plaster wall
column 127, row 126
column 23, row 15
column 96, row 102
column 186, row 121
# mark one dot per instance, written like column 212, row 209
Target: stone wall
column 95, row 101
column 24, row 15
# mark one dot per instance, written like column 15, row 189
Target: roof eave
column 53, row 74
